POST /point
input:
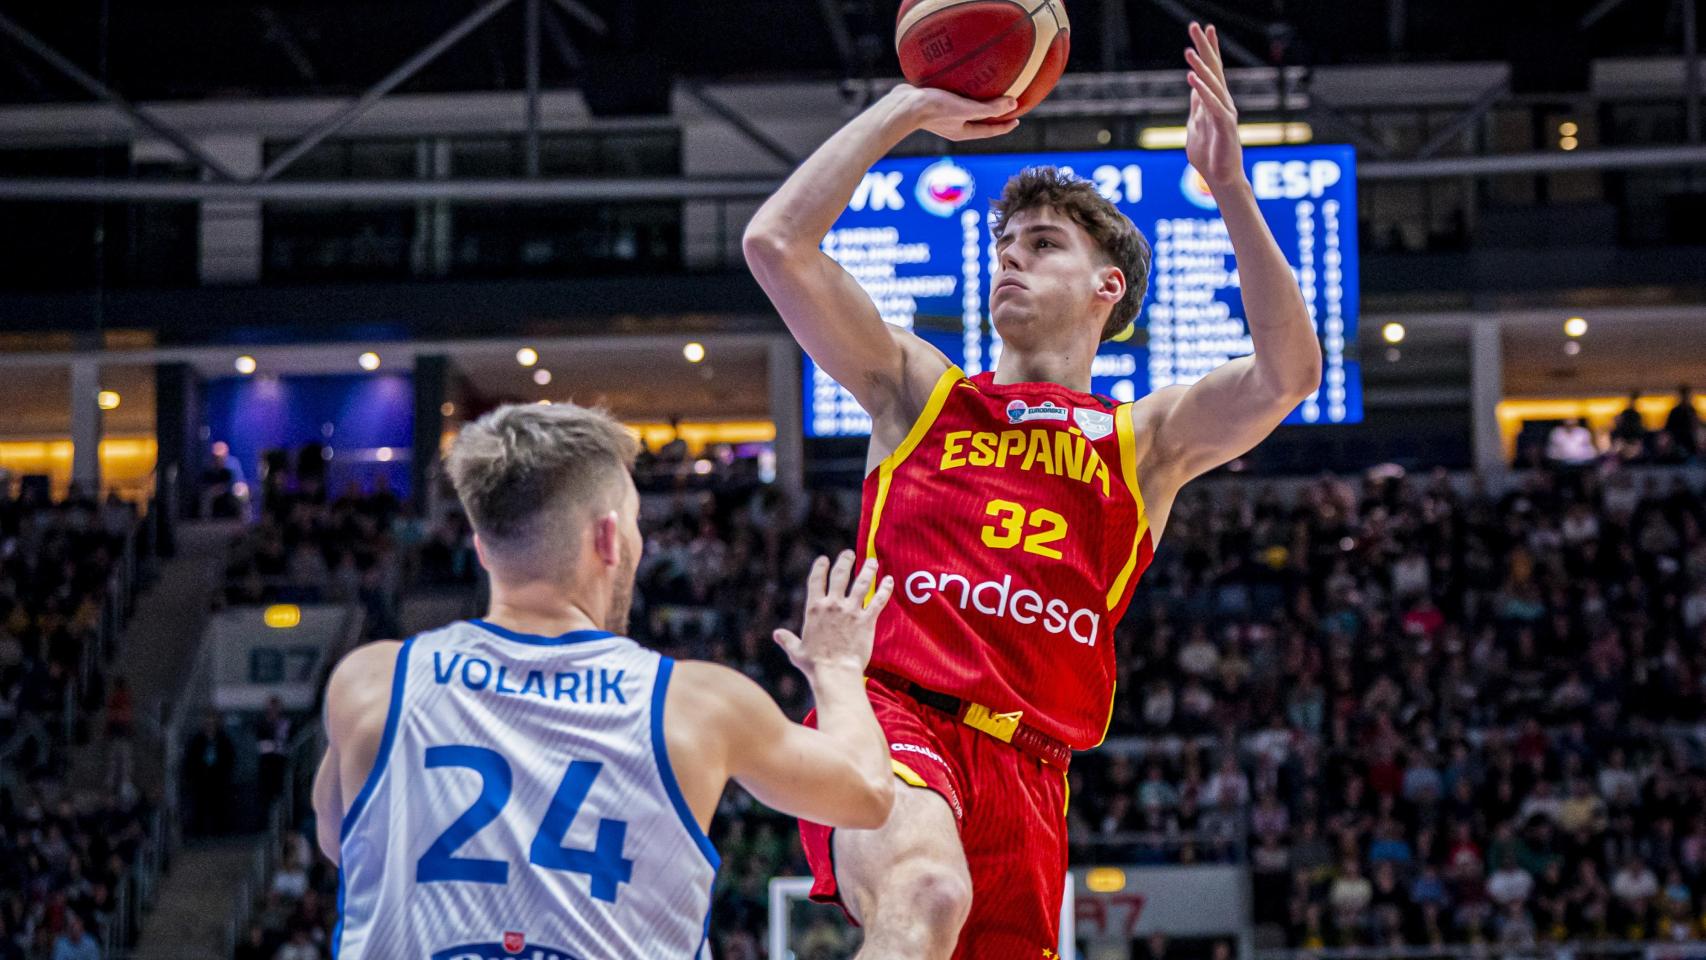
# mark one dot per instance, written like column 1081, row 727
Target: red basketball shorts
column 1011, row 812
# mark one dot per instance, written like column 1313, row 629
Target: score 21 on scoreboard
column 916, row 237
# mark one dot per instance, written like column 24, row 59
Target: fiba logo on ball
column 1196, row 190
column 944, row 187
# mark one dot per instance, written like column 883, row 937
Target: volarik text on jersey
column 478, row 675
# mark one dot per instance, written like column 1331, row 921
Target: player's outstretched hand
column 840, row 626
column 1211, row 133
column 954, row 117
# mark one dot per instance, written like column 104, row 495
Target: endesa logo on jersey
column 1020, row 412
column 504, row 951
column 997, row 598
column 944, row 187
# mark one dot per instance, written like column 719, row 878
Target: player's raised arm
column 825, row 308
column 1239, row 403
column 839, row 773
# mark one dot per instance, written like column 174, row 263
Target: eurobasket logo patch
column 1020, row 412
column 944, row 187
column 1196, row 190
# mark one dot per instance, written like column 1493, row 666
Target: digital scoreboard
column 916, row 237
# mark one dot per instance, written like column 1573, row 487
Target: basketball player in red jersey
column 1015, row 510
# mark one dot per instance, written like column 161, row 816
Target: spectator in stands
column 254, row 945
column 1682, row 425
column 222, row 482
column 209, row 761
column 1156, row 794
column 1635, row 885
column 300, row 946
column 1229, row 785
column 1516, row 927
column 1510, row 885
column 1629, row 432
column 75, row 943
column 290, row 880
column 272, row 737
column 1571, row 444
column 121, row 710
column 1350, row 894
column 120, row 723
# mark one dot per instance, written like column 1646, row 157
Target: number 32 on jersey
column 1012, row 521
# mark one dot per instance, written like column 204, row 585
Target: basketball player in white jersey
column 536, row 785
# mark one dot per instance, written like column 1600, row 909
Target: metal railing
column 134, row 894
column 173, row 725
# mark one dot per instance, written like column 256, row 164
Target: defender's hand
column 952, row 116
column 840, row 627
column 1211, row 133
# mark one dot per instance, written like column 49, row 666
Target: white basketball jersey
column 522, row 807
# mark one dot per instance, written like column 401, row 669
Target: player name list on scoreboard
column 896, row 273
column 1195, row 317
column 1192, row 328
column 872, row 255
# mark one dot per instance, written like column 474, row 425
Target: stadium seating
column 60, row 855
column 1422, row 712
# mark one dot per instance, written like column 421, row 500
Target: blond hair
column 524, row 472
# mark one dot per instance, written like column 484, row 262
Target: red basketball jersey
column 1011, row 521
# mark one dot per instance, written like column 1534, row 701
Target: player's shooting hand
column 840, row 626
column 954, row 117
column 1211, row 133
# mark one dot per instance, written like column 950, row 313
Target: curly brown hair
column 1113, row 232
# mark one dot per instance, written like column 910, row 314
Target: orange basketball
column 984, row 49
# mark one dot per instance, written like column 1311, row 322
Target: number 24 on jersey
column 604, row 865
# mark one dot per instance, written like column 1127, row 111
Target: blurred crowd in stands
column 63, row 860
column 363, row 544
column 62, row 865
column 56, row 560
column 1571, row 444
column 1422, row 711
column 298, row 911
column 1425, row 714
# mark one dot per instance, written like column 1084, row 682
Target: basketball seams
column 1043, row 33
column 925, row 8
column 1029, row 19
